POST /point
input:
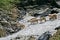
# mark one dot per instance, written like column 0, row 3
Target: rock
column 4, row 23
column 8, row 20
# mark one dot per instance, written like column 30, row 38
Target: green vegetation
column 56, row 36
column 6, row 8
column 8, row 4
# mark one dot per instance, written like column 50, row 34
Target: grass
column 56, row 36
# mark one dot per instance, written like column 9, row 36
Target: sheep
column 42, row 19
column 33, row 20
column 52, row 16
column 55, row 16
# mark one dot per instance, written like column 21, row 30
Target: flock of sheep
column 35, row 20
column 41, row 19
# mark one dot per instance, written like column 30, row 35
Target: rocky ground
column 9, row 21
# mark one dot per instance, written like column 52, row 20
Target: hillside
column 12, row 12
